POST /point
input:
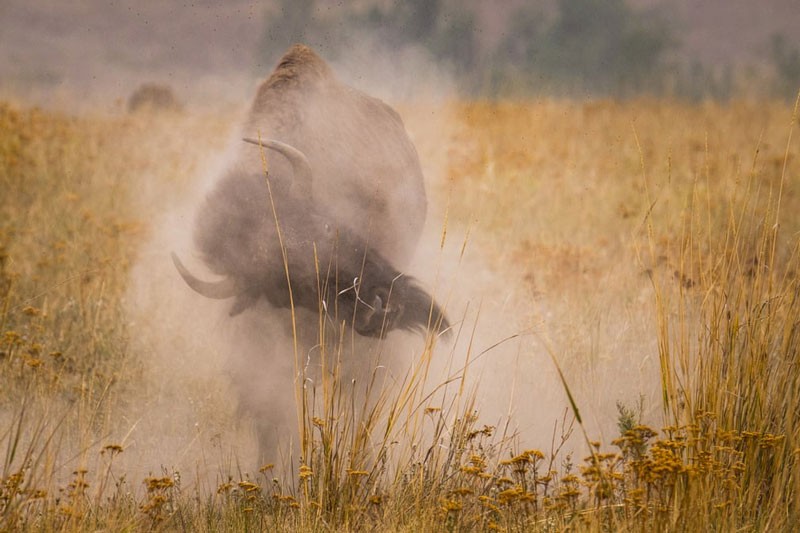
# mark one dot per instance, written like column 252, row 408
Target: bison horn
column 298, row 160
column 218, row 290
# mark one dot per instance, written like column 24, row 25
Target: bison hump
column 299, row 68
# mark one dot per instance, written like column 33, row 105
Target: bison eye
column 380, row 300
column 374, row 318
column 377, row 303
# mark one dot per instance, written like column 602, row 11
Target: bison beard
column 253, row 232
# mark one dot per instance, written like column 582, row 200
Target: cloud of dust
column 516, row 339
column 215, row 383
column 183, row 420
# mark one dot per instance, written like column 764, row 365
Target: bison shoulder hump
column 300, row 67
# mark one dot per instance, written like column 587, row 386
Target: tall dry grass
column 640, row 235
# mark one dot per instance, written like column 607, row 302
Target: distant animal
column 153, row 97
column 335, row 218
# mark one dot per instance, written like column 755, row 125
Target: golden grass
column 684, row 213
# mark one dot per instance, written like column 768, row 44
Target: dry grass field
column 625, row 288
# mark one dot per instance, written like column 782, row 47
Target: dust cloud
column 222, row 392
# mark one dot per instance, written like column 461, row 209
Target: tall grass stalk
column 729, row 352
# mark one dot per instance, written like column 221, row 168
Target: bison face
column 403, row 306
column 382, row 299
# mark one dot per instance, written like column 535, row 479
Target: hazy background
column 68, row 53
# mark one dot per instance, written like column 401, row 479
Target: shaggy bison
column 335, row 218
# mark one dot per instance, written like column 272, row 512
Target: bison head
column 271, row 240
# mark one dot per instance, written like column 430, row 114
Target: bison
column 153, row 97
column 335, row 217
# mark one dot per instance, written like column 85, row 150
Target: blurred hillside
column 57, row 52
